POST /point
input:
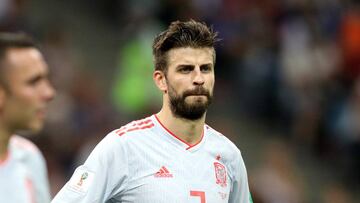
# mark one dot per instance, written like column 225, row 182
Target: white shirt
column 23, row 174
column 143, row 162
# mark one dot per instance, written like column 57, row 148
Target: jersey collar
column 176, row 139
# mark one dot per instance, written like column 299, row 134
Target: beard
column 190, row 111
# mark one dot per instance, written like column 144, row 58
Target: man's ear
column 160, row 80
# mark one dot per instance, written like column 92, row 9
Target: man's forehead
column 23, row 63
column 189, row 55
column 14, row 55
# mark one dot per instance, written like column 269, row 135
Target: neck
column 4, row 143
column 188, row 130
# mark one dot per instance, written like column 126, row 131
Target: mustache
column 197, row 91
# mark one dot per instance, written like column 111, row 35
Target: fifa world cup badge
column 220, row 174
column 82, row 178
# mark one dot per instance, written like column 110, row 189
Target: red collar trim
column 5, row 159
column 178, row 138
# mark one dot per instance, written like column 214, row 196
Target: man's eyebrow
column 207, row 64
column 37, row 77
column 185, row 66
column 190, row 65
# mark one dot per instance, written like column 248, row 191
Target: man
column 24, row 94
column 172, row 156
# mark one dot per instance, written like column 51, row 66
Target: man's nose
column 48, row 91
column 198, row 78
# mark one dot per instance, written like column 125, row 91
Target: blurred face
column 28, row 90
column 190, row 81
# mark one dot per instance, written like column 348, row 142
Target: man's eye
column 34, row 81
column 185, row 69
column 205, row 68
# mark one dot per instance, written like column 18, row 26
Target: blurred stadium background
column 287, row 91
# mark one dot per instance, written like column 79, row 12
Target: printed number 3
column 200, row 194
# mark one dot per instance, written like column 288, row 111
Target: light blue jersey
column 23, row 174
column 143, row 162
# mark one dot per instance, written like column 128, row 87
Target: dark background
column 287, row 84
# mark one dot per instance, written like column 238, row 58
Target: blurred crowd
column 291, row 66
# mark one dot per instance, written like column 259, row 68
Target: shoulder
column 230, row 154
column 133, row 131
column 135, row 127
column 115, row 147
column 26, row 152
column 222, row 140
column 21, row 144
column 126, row 134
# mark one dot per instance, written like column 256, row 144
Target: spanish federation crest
column 220, row 174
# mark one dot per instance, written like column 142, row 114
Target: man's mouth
column 41, row 113
column 197, row 95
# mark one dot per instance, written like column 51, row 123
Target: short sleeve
column 239, row 192
column 101, row 177
column 40, row 178
column 35, row 163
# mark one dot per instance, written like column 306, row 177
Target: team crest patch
column 220, row 174
column 81, row 180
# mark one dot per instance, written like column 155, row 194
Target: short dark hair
column 10, row 40
column 182, row 34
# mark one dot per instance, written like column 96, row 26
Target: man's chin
column 36, row 127
column 193, row 115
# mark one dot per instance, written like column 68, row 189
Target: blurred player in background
column 24, row 94
column 172, row 156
